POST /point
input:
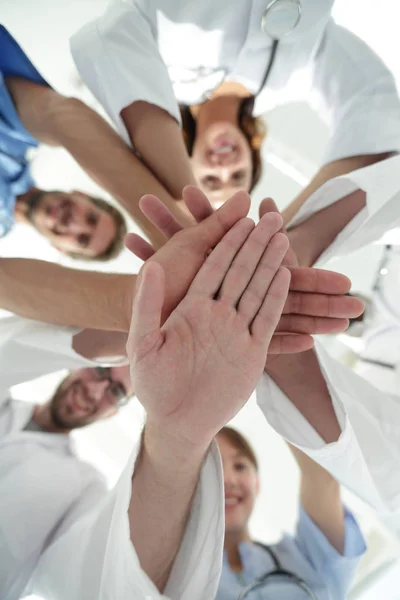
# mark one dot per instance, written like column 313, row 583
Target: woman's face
column 221, row 162
column 241, row 484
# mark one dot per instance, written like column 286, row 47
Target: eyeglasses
column 115, row 392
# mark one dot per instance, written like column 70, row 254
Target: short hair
column 239, row 442
column 253, row 128
column 117, row 243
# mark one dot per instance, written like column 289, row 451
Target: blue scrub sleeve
column 337, row 570
column 13, row 60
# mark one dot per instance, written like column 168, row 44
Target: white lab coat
column 40, row 476
column 173, row 52
column 366, row 458
column 59, row 530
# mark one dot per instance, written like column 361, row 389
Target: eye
column 239, row 176
column 92, row 218
column 211, row 183
column 240, row 466
column 83, row 240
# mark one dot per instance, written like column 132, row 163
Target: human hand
column 195, row 372
column 316, row 302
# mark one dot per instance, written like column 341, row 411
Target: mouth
column 232, row 502
column 80, row 404
column 222, row 149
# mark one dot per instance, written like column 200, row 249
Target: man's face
column 89, row 395
column 73, row 223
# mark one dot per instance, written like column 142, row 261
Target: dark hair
column 117, row 243
column 238, row 441
column 253, row 128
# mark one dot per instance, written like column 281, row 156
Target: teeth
column 223, row 149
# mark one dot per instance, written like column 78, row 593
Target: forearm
column 300, row 378
column 96, row 343
column 321, row 499
column 112, row 164
column 158, row 138
column 163, row 485
column 330, row 171
column 48, row 292
column 98, row 149
column 315, row 234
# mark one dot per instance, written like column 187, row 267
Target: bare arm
column 300, row 378
column 98, row 149
column 321, row 499
column 67, row 296
column 163, row 485
column 158, row 138
column 317, row 232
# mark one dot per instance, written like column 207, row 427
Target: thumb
column 145, row 332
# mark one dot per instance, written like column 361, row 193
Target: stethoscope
column 279, row 19
column 277, row 571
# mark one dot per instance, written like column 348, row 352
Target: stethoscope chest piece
column 280, row 18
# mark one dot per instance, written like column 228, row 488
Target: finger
column 267, row 318
column 148, row 301
column 138, row 246
column 314, row 325
column 290, row 344
column 266, row 206
column 323, row 305
column 254, row 294
column 211, row 275
column 308, row 279
column 211, row 231
column 197, row 203
column 244, row 265
column 158, row 214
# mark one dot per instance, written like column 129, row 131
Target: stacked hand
column 316, row 302
column 195, row 372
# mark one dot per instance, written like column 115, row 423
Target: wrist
column 170, row 450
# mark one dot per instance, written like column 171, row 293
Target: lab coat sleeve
column 29, row 349
column 118, row 59
column 94, row 559
column 381, row 184
column 356, row 94
column 366, row 456
column 37, row 487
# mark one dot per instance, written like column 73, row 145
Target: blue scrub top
column 15, row 177
column 308, row 554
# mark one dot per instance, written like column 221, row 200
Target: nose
column 96, row 389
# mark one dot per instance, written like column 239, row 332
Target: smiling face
column 241, row 484
column 73, row 223
column 89, row 395
column 222, row 162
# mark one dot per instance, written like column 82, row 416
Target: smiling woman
column 315, row 563
column 224, row 141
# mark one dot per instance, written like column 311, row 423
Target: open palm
column 195, row 372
